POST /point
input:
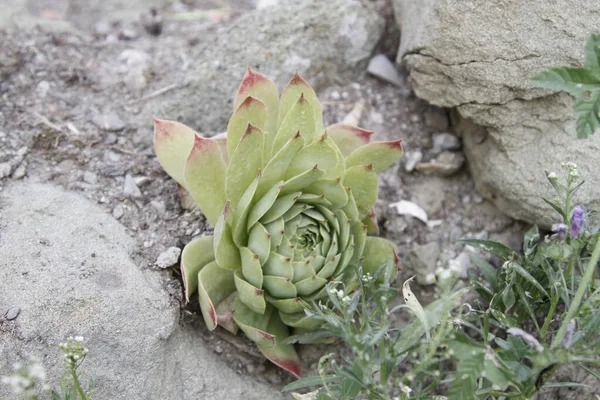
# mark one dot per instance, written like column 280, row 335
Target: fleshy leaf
column 322, row 153
column 380, row 154
column 250, row 295
column 299, row 119
column 227, row 253
column 333, row 190
column 173, row 143
column 280, row 354
column 278, row 165
column 379, row 252
column 262, row 88
column 370, row 221
column 253, row 324
column 251, row 111
column 348, row 137
column 205, row 177
column 244, row 164
column 240, row 217
column 196, row 254
column 292, row 92
column 215, row 284
column 363, row 182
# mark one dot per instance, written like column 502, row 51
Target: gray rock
column 12, row 313
column 90, row 177
column 461, row 264
column 481, row 64
column 20, row 171
column 109, row 121
column 411, row 159
column 5, row 170
column 135, row 65
column 168, row 258
column 325, row 41
column 445, row 141
column 118, row 211
column 130, row 188
column 381, row 67
column 446, row 163
column 123, row 312
column 423, row 260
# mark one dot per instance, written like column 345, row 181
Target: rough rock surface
column 325, row 41
column 478, row 57
column 65, row 263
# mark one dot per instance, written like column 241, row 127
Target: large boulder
column 64, row 263
column 325, row 41
column 478, row 57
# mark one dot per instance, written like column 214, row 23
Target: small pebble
column 5, row 170
column 411, row 160
column 445, row 164
column 152, row 22
column 381, row 67
column 109, row 121
column 168, row 258
column 130, row 188
column 12, row 313
column 118, row 211
column 445, row 141
column 20, row 172
column 90, row 177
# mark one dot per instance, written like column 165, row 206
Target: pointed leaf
column 571, row 80
column 250, row 295
column 303, row 180
column 262, row 88
column 259, row 242
column 333, row 190
column 254, row 324
column 227, row 254
column 348, row 137
column 322, row 153
column 280, row 207
column 240, row 218
column 411, row 301
column 244, row 164
column 292, row 92
column 282, row 355
column 214, row 285
column 277, row 166
column 490, row 246
column 264, row 204
column 251, row 267
column 250, row 112
column 380, row 154
column 173, row 143
column 278, row 265
column 287, row 305
column 301, row 119
column 196, row 254
column 279, row 287
column 370, row 222
column 300, row 320
column 363, row 182
column 592, row 54
column 205, row 177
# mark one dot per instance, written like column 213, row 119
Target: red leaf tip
column 201, row 144
column 161, row 126
column 396, row 144
column 250, row 79
column 250, row 129
column 297, row 135
column 292, row 366
column 259, row 292
column 297, row 80
column 302, row 99
column 248, row 101
column 369, row 167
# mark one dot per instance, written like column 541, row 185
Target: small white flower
column 405, row 389
column 552, row 175
column 79, row 339
column 346, row 300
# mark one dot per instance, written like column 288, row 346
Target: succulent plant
column 291, row 204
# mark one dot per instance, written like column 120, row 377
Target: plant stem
column 583, row 286
column 548, row 321
column 77, row 384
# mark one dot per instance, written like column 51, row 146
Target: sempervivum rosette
column 291, row 203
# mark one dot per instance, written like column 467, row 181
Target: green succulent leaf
column 291, row 93
column 205, row 177
column 300, row 119
column 378, row 252
column 173, row 142
column 215, row 284
column 280, row 354
column 263, row 89
column 380, row 154
column 226, row 252
column 195, row 256
column 244, row 164
column 250, row 112
column 348, row 138
column 363, row 182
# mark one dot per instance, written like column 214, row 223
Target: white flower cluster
column 74, row 350
column 572, row 168
column 366, row 278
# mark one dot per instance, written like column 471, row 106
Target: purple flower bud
column 577, row 221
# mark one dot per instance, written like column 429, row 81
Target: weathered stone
column 168, row 258
column 277, row 41
column 381, row 67
column 109, row 121
column 481, row 64
column 85, row 284
column 445, row 141
column 423, row 260
column 446, row 163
